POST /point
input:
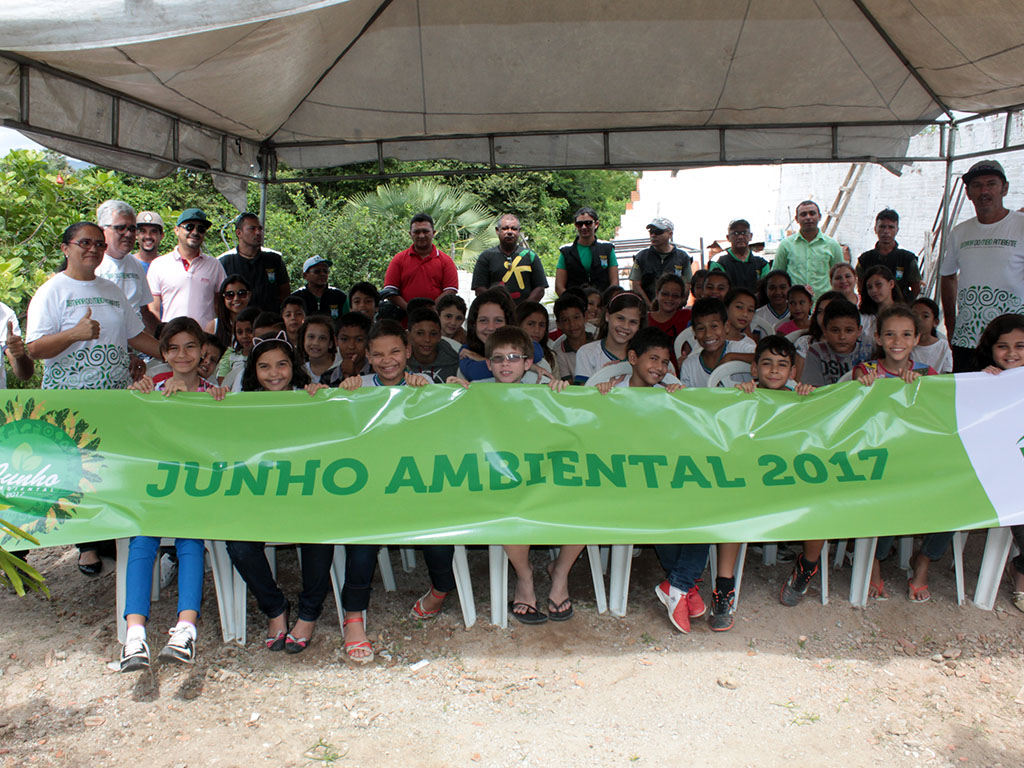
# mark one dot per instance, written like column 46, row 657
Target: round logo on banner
column 47, row 457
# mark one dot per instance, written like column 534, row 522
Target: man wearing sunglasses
column 117, row 220
column 661, row 258
column 262, row 268
column 185, row 281
column 586, row 260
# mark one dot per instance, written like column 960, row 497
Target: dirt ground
column 900, row 684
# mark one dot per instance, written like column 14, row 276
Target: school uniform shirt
column 590, row 358
column 768, row 317
column 129, row 275
column 100, row 363
column 823, row 365
column 6, row 316
column 335, row 375
column 565, row 356
column 876, row 367
column 938, row 355
column 693, row 372
column 445, row 364
column 314, row 377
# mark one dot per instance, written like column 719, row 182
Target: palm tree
column 464, row 225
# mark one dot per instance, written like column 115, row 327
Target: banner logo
column 47, row 458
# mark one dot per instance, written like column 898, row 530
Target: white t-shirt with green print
column 990, row 260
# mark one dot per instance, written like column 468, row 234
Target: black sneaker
column 795, row 587
column 721, row 619
column 181, row 648
column 785, row 554
column 134, row 656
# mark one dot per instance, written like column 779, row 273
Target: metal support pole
column 946, row 192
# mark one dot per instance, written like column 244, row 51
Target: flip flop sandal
column 560, row 612
column 530, row 616
column 356, row 645
column 422, row 613
column 918, row 594
column 876, row 591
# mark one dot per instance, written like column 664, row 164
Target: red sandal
column 422, row 613
column 356, row 645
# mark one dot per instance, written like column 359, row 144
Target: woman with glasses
column 81, row 327
column 234, row 296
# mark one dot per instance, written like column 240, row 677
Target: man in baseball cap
column 150, row 233
column 319, row 298
column 186, row 281
column 662, row 257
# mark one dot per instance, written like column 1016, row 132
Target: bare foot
column 89, row 557
column 278, row 624
column 303, row 630
column 559, row 584
column 433, row 600
column 525, row 597
column 357, row 644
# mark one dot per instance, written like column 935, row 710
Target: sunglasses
column 88, row 245
column 241, row 293
column 585, row 223
column 513, row 357
column 121, row 228
column 656, row 231
column 191, row 226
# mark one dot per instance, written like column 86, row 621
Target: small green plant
column 324, row 752
column 15, row 573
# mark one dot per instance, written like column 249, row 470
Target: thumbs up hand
column 87, row 328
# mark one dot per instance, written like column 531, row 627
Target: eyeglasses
column 89, row 245
column 241, row 293
column 585, row 223
column 190, row 226
column 740, row 233
column 121, row 228
column 512, row 357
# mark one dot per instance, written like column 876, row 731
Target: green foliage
column 464, row 225
column 15, row 573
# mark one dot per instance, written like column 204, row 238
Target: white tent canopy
column 231, row 87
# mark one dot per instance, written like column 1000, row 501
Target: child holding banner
column 775, row 362
column 317, row 345
column 896, row 335
column 841, row 348
column 389, row 354
column 626, row 314
column 1001, row 348
column 272, row 367
column 181, row 345
column 709, row 321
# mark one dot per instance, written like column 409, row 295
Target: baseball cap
column 984, row 168
column 661, row 223
column 312, row 261
column 192, row 214
column 150, row 217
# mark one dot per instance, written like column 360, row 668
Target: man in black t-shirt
column 262, row 268
column 902, row 264
column 320, row 298
column 517, row 268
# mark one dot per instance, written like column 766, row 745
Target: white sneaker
column 168, row 570
column 181, row 648
column 134, row 655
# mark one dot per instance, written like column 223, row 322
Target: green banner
column 490, row 465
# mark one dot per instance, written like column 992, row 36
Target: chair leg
column 959, row 540
column 997, row 552
column 594, row 556
column 408, row 555
column 906, row 550
column 618, row 579
column 771, row 553
column 120, row 590
column 387, row 575
column 338, row 581
column 220, row 565
column 741, row 559
column 840, row 554
column 499, row 584
column 863, row 558
column 824, row 573
column 464, row 584
column 605, row 553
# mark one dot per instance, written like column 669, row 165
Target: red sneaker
column 679, row 613
column 662, row 591
column 694, row 603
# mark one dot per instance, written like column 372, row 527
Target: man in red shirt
column 423, row 270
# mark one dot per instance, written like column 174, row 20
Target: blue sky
column 13, row 140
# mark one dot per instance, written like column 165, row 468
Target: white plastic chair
column 499, row 582
column 729, row 374
column 848, row 376
column 738, row 573
column 761, row 328
column 999, row 547
column 454, row 344
column 241, row 592
column 794, row 335
column 609, row 372
column 220, row 565
column 864, row 556
column 686, row 337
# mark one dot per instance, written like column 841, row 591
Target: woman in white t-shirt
column 81, row 326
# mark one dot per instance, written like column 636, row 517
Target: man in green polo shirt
column 809, row 254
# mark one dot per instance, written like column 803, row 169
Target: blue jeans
column 683, row 563
column 933, row 547
column 142, row 551
column 250, row 561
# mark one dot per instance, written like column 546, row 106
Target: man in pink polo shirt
column 423, row 270
column 185, row 281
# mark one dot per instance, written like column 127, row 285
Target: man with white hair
column 117, row 220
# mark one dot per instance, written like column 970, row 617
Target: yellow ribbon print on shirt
column 516, row 270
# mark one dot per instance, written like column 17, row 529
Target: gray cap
column 150, row 217
column 312, row 261
column 661, row 223
column 984, row 168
